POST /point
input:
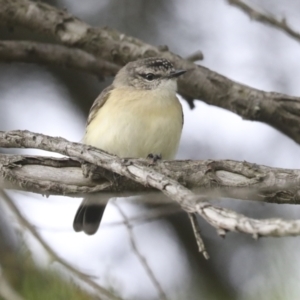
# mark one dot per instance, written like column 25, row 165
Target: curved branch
column 266, row 18
column 222, row 219
column 278, row 110
column 55, row 55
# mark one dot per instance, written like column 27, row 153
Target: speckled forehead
column 151, row 65
column 159, row 64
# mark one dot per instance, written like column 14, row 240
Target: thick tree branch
column 47, row 175
column 266, row 18
column 222, row 219
column 278, row 110
column 239, row 180
column 55, row 55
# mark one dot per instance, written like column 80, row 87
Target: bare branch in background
column 220, row 218
column 266, row 18
column 55, row 55
column 104, row 293
column 145, row 218
column 196, row 56
column 278, row 110
column 141, row 258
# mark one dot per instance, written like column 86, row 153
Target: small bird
column 139, row 114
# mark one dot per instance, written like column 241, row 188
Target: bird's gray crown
column 148, row 73
column 154, row 63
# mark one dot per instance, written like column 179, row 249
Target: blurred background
column 56, row 102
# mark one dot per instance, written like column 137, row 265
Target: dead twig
column 140, row 257
column 266, row 18
column 52, row 254
column 199, row 240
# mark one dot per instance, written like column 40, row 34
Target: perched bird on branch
column 137, row 116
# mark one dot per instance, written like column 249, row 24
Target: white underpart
column 134, row 123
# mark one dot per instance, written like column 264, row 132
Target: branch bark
column 220, row 218
column 224, row 178
column 266, row 18
column 278, row 110
column 55, row 55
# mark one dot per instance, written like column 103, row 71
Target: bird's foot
column 153, row 158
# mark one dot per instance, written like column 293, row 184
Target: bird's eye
column 149, row 76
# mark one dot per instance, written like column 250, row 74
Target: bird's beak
column 177, row 73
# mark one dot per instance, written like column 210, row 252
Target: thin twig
column 141, row 258
column 53, row 255
column 139, row 220
column 199, row 240
column 266, row 18
column 198, row 55
column 142, row 219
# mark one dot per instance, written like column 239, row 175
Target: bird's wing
column 89, row 213
column 98, row 103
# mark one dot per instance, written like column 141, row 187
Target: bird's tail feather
column 89, row 214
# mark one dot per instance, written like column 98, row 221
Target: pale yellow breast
column 136, row 123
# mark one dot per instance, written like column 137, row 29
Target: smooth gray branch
column 266, row 18
column 55, row 55
column 278, row 110
column 220, row 218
